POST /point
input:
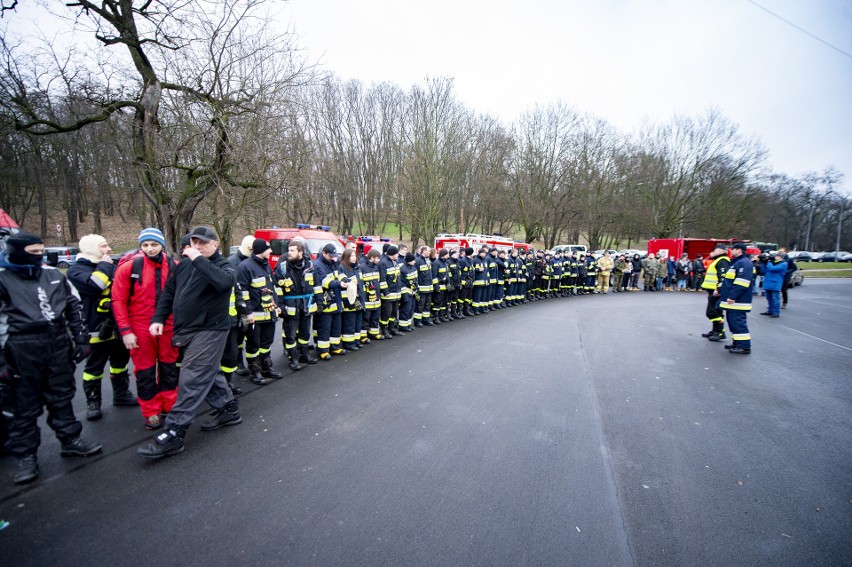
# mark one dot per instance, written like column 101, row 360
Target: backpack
column 138, row 259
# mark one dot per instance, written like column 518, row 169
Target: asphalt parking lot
column 580, row 431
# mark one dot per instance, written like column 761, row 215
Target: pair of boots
column 306, row 355
column 121, row 395
column 717, row 333
column 261, row 370
column 27, row 469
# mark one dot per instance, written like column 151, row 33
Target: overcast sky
column 624, row 60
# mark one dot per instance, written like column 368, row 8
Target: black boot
column 92, row 389
column 165, row 444
column 27, row 470
column 79, row 447
column 394, row 329
column 266, row 368
column 255, row 373
column 293, row 356
column 121, row 394
column 306, row 354
column 228, row 415
column 385, row 332
column 436, row 318
column 241, row 366
column 229, row 378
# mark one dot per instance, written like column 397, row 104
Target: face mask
column 24, row 258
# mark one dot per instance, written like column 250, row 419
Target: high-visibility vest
column 711, row 278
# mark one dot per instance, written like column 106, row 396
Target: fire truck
column 475, row 241
column 314, row 236
column 693, row 247
column 364, row 244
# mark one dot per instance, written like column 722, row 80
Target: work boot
column 27, row 470
column 385, row 332
column 92, row 389
column 716, row 337
column 436, row 319
column 165, row 444
column 121, row 394
column 229, row 378
column 427, row 321
column 266, row 368
column 739, row 350
column 255, row 373
column 228, row 415
column 709, row 333
column 394, row 329
column 293, row 357
column 241, row 366
column 79, row 447
column 306, row 355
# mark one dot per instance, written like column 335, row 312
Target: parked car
column 60, row 256
column 233, row 250
column 797, row 278
column 831, row 257
column 845, row 257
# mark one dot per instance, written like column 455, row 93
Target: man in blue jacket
column 774, row 273
column 735, row 298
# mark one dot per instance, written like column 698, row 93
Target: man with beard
column 300, row 295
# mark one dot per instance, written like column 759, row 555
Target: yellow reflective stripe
column 117, row 370
column 246, row 296
column 743, row 337
column 328, row 279
column 100, row 279
column 742, row 281
column 258, row 282
column 262, row 315
column 228, row 369
column 89, row 377
column 736, row 306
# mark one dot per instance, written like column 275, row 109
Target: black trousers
column 716, row 315
column 113, row 352
column 296, row 330
column 423, row 307
column 389, row 311
column 231, row 354
column 259, row 339
column 350, row 325
column 44, row 374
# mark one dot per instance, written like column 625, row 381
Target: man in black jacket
column 38, row 307
column 198, row 294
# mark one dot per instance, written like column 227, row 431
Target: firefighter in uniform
column 389, row 285
column 232, row 353
column 422, row 314
column 502, row 278
column 555, row 274
column 38, row 307
column 735, row 298
column 440, row 276
column 351, row 319
column 327, row 321
column 719, row 263
column 491, row 266
column 454, row 286
column 605, row 266
column 235, row 259
column 466, row 269
column 369, row 264
column 408, row 300
column 299, row 295
column 480, row 281
column 255, row 280
column 591, row 274
column 92, row 275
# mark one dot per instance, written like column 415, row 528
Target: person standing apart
column 735, row 299
column 197, row 295
column 719, row 263
column 773, row 282
column 39, row 308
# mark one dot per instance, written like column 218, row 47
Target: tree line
column 205, row 112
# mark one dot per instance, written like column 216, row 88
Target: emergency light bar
column 302, row 226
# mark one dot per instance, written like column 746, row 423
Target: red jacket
column 133, row 314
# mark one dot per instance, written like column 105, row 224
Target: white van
column 569, row 248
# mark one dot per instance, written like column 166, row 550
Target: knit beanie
column 153, row 235
column 90, row 247
column 246, row 244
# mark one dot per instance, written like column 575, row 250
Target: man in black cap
column 479, row 265
column 39, row 307
column 254, row 278
column 327, row 319
column 440, row 277
column 389, row 285
column 735, row 298
column 719, row 263
column 197, row 295
column 408, row 289
column 422, row 311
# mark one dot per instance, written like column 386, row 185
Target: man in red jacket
column 135, row 290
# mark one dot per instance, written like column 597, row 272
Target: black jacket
column 198, row 293
column 23, row 307
column 93, row 282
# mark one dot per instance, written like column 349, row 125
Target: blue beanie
column 152, row 234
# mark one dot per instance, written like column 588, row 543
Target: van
column 569, row 248
column 314, row 236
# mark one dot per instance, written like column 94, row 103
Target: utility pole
column 839, row 228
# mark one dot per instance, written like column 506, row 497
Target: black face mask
column 24, row 258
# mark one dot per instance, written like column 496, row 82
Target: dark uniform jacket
column 296, row 286
column 258, row 289
column 328, row 276
column 93, row 282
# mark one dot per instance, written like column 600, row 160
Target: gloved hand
column 82, row 349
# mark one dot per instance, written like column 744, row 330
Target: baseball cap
column 330, row 249
column 204, row 233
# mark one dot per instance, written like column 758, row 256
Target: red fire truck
column 475, row 241
column 693, row 247
column 314, row 236
column 365, row 243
